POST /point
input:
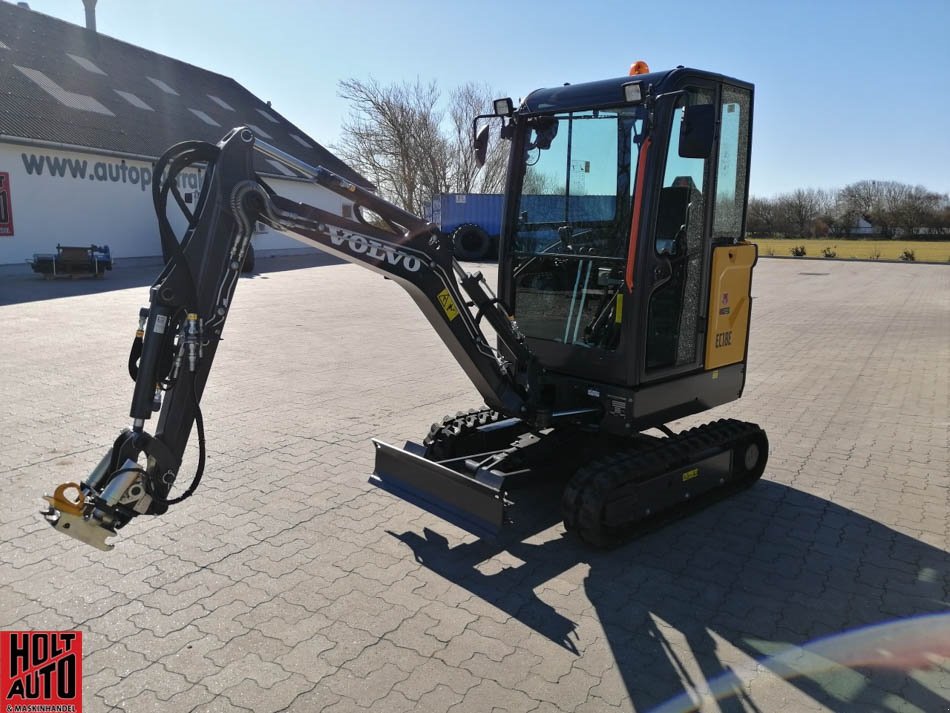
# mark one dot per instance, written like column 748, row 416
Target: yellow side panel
column 729, row 304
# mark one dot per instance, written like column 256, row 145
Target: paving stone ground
column 288, row 583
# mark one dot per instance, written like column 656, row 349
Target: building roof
column 64, row 84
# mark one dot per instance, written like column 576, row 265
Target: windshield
column 570, row 241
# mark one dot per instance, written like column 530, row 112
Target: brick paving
column 288, row 583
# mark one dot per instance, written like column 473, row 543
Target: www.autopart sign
column 6, row 209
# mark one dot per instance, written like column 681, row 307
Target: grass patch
column 922, row 250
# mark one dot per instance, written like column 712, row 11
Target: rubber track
column 592, row 486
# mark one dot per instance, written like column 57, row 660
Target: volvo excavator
column 623, row 304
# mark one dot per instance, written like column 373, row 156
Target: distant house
column 862, row 226
column 84, row 116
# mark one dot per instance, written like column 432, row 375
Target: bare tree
column 916, row 209
column 399, row 138
column 797, row 212
column 940, row 220
column 538, row 183
column 392, row 136
column 761, row 216
column 860, row 197
column 467, row 102
column 826, row 219
column 874, row 201
column 892, row 207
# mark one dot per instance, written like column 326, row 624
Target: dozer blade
column 477, row 506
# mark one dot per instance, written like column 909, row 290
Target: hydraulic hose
column 176, row 160
column 202, row 453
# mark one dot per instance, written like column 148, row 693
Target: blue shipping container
column 481, row 215
column 450, row 210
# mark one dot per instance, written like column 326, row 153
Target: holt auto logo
column 41, row 671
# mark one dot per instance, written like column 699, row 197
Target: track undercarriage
column 614, row 488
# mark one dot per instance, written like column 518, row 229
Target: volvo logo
column 360, row 245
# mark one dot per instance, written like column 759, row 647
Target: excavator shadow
column 768, row 569
column 25, row 286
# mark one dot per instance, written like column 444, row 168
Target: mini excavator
column 623, row 303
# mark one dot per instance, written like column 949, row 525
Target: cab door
column 677, row 254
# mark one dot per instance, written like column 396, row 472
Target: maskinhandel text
column 108, row 171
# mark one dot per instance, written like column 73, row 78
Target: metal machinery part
column 615, row 295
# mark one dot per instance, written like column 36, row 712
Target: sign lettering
column 41, row 670
column 360, row 245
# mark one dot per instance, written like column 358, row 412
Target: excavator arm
column 179, row 331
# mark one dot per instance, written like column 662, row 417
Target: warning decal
column 448, row 304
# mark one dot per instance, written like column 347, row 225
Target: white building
column 862, row 226
column 84, row 116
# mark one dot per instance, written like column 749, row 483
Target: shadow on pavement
column 21, row 286
column 768, row 569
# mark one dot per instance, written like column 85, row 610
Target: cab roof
column 609, row 92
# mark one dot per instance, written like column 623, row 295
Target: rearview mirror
column 697, row 131
column 481, row 144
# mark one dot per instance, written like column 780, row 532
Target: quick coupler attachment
column 475, row 502
column 92, row 511
column 67, row 515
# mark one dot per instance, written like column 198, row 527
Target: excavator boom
column 180, row 329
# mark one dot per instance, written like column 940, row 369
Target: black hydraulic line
column 151, row 358
column 480, row 312
column 134, row 356
column 202, row 454
column 176, row 160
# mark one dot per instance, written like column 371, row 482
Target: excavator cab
column 620, row 194
column 623, row 303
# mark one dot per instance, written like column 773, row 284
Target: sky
column 846, row 90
